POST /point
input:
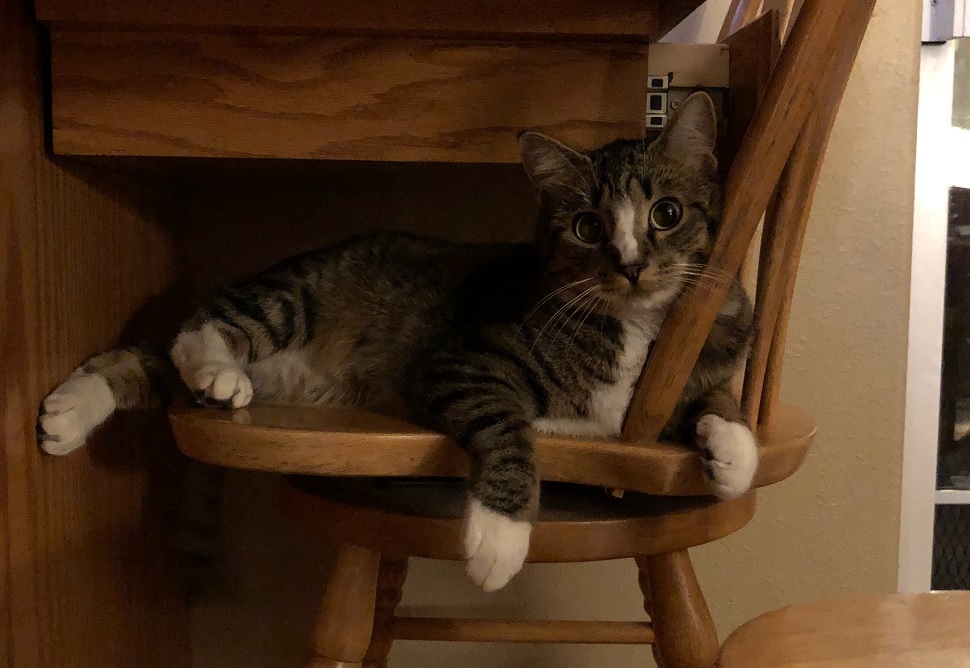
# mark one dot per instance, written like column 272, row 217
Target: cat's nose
column 632, row 272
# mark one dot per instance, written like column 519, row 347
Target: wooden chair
column 896, row 631
column 379, row 524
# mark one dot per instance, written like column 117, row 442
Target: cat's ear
column 691, row 135
column 553, row 167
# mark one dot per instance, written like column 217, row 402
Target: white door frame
column 942, row 161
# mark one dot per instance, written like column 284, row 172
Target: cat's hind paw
column 222, row 385
column 730, row 455
column 496, row 546
column 72, row 411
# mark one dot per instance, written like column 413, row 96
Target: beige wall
column 830, row 530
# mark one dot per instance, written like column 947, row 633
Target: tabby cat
column 487, row 343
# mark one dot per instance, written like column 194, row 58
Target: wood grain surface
column 343, row 98
column 86, row 579
column 785, row 227
column 899, row 631
column 329, row 441
column 391, row 575
column 786, row 11
column 522, row 631
column 471, row 17
column 754, row 51
column 686, row 637
column 342, row 631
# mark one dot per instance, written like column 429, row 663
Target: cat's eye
column 666, row 214
column 588, row 228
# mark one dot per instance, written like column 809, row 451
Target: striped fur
column 480, row 342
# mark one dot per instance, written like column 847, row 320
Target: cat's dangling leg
column 113, row 381
column 488, row 406
column 728, row 448
column 503, row 499
column 242, row 326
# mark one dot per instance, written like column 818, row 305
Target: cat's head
column 632, row 221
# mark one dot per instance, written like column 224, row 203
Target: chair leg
column 684, row 629
column 390, row 581
column 644, row 580
column 342, row 632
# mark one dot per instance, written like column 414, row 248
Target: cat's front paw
column 495, row 545
column 223, row 385
column 730, row 455
column 72, row 411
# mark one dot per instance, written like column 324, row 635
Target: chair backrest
column 777, row 164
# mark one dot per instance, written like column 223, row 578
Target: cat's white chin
column 730, row 455
column 496, row 546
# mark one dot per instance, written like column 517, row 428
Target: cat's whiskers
column 604, row 302
column 553, row 294
column 573, row 317
column 593, row 301
column 562, row 309
column 577, row 311
column 694, row 268
column 698, row 274
column 706, row 276
column 715, row 280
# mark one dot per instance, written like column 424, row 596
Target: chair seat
column 349, row 442
column 576, row 522
column 900, row 631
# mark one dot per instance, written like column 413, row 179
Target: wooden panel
column 337, row 98
column 785, row 9
column 88, row 581
column 754, row 51
column 327, row 441
column 496, row 17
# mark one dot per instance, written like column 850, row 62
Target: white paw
column 72, row 411
column 495, row 546
column 730, row 455
column 222, row 384
column 208, row 368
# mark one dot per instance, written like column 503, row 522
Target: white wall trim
column 945, row 19
column 953, row 497
column 934, row 176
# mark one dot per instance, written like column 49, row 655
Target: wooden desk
column 419, row 81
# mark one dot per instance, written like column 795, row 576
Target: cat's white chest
column 608, row 403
